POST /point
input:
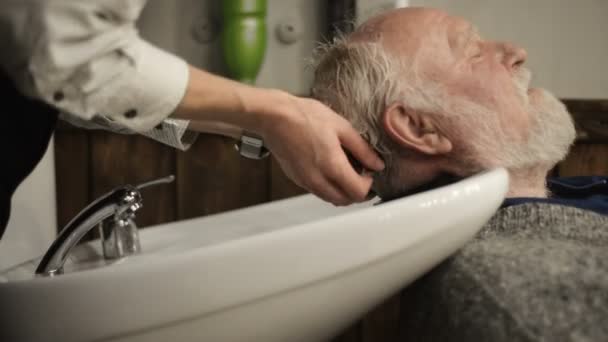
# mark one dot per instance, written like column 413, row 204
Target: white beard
column 551, row 127
column 550, row 135
column 552, row 131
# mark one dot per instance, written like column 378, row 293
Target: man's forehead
column 461, row 26
column 460, row 32
column 414, row 32
column 401, row 30
column 411, row 20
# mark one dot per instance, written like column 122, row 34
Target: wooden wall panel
column 117, row 160
column 71, row 174
column 586, row 160
column 591, row 118
column 212, row 177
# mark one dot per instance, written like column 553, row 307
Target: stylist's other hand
column 307, row 139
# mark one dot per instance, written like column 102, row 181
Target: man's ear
column 414, row 131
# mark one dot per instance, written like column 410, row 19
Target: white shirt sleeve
column 87, row 59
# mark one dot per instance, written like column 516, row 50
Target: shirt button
column 102, row 16
column 130, row 114
column 58, row 96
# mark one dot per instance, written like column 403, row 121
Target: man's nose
column 514, row 56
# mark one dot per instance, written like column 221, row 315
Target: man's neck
column 528, row 182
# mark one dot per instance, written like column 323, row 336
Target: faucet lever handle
column 164, row 180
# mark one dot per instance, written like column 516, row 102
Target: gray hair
column 360, row 79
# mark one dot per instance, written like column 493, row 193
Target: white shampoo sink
column 292, row 270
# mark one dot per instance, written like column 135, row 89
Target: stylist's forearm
column 210, row 98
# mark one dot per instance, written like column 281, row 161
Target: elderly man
column 439, row 102
column 434, row 98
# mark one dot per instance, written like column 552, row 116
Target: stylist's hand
column 307, row 138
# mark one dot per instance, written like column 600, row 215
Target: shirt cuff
column 152, row 92
column 171, row 132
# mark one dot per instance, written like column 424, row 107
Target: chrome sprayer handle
column 164, row 180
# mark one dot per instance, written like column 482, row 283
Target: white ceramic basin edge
column 353, row 258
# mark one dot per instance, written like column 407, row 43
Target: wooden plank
column 71, row 173
column 212, row 177
column 585, row 160
column 586, row 105
column 280, row 186
column 117, row 160
column 382, row 323
column 591, row 118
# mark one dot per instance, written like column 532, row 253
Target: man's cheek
column 518, row 123
column 476, row 90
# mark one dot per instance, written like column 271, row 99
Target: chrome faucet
column 114, row 213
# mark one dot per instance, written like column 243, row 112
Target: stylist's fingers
column 348, row 180
column 328, row 192
column 360, row 149
column 308, row 141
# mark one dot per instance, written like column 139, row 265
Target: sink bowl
column 292, row 270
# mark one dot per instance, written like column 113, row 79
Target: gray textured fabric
column 536, row 272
